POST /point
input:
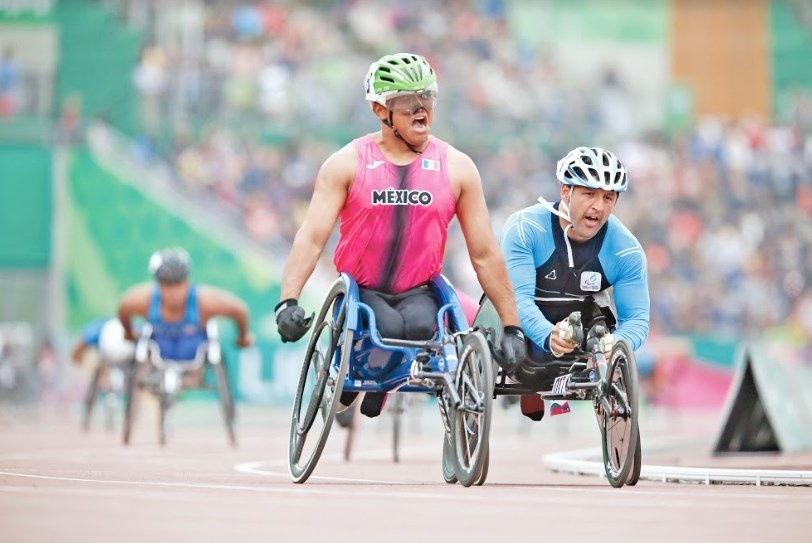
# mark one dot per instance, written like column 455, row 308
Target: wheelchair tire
column 91, row 397
column 483, row 473
column 226, row 399
column 619, row 426
column 348, row 419
column 397, row 410
column 164, row 403
column 320, row 383
column 449, row 473
column 131, row 389
column 486, row 462
column 471, row 421
column 638, row 463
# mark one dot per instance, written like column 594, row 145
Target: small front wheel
column 130, row 400
column 226, row 399
column 397, row 410
column 91, row 397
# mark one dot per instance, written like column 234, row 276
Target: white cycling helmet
column 592, row 167
column 170, row 265
column 114, row 349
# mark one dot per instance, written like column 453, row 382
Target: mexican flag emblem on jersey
column 433, row 165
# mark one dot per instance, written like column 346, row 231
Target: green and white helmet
column 398, row 73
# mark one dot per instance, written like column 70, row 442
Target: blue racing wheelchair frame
column 346, row 353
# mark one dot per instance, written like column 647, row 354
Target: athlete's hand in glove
column 291, row 321
column 567, row 335
column 607, row 342
column 514, row 347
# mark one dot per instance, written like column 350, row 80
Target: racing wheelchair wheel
column 226, row 399
column 90, row 397
column 398, row 408
column 320, row 384
column 471, row 421
column 483, row 473
column 617, row 411
column 164, row 403
column 131, row 390
column 634, row 476
column 349, row 419
column 449, row 472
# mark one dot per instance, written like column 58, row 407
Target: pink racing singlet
column 394, row 224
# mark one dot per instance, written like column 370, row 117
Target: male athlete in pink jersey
column 396, row 191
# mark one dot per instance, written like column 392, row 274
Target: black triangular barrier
column 768, row 407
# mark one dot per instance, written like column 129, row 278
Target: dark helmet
column 170, row 265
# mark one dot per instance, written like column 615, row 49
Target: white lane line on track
column 253, row 468
column 278, row 468
column 583, row 462
column 523, row 496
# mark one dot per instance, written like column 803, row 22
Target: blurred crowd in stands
column 247, row 100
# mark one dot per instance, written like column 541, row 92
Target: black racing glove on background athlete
column 514, row 347
column 291, row 321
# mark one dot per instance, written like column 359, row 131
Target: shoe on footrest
column 532, row 406
column 373, row 403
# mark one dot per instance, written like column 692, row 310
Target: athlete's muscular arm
column 134, row 302
column 518, row 245
column 329, row 195
column 476, row 227
column 216, row 302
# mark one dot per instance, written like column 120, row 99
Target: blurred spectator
column 151, row 80
column 722, row 208
column 10, row 83
column 70, row 118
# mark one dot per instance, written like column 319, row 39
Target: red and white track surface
column 60, row 484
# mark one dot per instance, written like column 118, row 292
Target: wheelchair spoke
column 320, row 383
column 619, row 417
column 470, row 426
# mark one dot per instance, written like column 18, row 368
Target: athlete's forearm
column 493, row 278
column 302, row 260
column 632, row 314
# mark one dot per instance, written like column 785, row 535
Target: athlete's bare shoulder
column 341, row 164
column 462, row 171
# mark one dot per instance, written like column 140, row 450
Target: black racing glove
column 291, row 321
column 514, row 347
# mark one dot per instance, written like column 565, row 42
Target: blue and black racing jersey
column 547, row 289
column 177, row 340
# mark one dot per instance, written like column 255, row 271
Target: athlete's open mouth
column 420, row 121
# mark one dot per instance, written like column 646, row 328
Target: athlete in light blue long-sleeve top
column 575, row 255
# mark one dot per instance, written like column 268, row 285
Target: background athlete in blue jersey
column 575, row 255
column 178, row 310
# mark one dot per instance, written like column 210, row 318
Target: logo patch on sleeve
column 590, row 281
column 433, row 165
